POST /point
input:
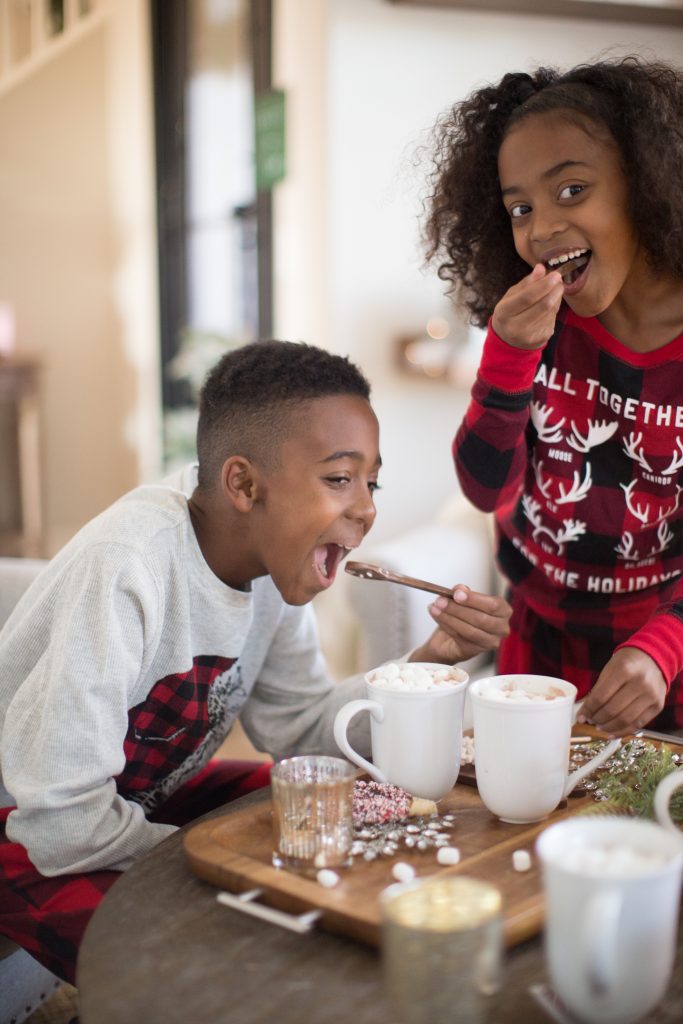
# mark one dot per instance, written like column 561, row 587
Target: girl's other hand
column 629, row 692
column 525, row 316
column 468, row 624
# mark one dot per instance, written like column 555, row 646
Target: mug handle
column 600, row 933
column 666, row 788
column 590, row 766
column 341, row 724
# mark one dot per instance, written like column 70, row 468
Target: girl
column 556, row 212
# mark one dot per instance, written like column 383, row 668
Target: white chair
column 24, row 983
column 455, row 547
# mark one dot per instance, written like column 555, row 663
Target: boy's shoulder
column 145, row 522
column 142, row 513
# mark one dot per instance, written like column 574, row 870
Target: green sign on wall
column 269, row 119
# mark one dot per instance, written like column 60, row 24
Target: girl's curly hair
column 467, row 230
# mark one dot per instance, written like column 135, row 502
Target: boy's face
column 318, row 502
column 567, row 196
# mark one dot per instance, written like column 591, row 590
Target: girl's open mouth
column 326, row 559
column 572, row 266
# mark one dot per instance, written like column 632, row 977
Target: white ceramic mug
column 416, row 735
column 521, row 750
column 611, row 928
column 665, row 790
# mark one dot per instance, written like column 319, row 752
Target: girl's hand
column 469, row 623
column 629, row 692
column 525, row 316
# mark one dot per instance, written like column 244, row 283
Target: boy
column 165, row 618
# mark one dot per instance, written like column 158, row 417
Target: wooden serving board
column 234, row 852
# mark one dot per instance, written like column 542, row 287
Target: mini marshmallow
column 448, row 855
column 403, row 872
column 327, row 878
column 521, row 860
column 611, row 861
column 467, row 750
column 414, row 677
column 519, row 695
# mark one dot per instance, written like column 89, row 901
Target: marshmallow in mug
column 412, row 678
column 610, row 861
column 517, row 693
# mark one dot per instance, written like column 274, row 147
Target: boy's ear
column 239, row 482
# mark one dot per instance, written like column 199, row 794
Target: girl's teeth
column 556, row 260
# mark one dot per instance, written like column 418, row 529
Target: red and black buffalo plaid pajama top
column 578, row 450
column 122, row 669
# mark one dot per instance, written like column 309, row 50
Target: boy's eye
column 342, row 481
column 570, row 191
column 519, row 210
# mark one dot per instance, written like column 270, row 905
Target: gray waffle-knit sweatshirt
column 123, row 668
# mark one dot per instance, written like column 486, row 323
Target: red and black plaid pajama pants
column 48, row 916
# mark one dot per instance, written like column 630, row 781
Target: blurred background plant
column 198, row 353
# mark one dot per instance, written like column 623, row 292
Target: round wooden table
column 161, row 950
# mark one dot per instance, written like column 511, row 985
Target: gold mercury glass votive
column 442, row 949
column 312, row 812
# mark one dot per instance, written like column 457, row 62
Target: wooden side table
column 19, row 386
column 159, row 949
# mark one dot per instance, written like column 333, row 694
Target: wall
column 364, row 80
column 77, row 260
column 388, row 72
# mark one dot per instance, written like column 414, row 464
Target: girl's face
column 567, row 197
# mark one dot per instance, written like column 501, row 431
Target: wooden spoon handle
column 366, row 571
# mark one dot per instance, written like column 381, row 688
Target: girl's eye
column 337, row 481
column 519, row 210
column 373, row 486
column 570, row 191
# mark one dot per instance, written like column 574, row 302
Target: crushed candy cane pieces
column 376, row 802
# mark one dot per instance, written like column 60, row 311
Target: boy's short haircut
column 248, row 396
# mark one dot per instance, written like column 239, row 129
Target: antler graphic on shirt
column 578, row 490
column 676, row 461
column 551, row 433
column 542, row 484
column 665, row 513
column 571, row 530
column 641, row 513
column 597, row 433
column 625, row 548
column 630, row 445
column 664, row 536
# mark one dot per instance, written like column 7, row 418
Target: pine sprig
column 629, row 788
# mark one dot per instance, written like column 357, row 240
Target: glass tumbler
column 442, row 949
column 312, row 812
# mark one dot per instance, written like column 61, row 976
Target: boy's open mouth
column 571, row 264
column 326, row 559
